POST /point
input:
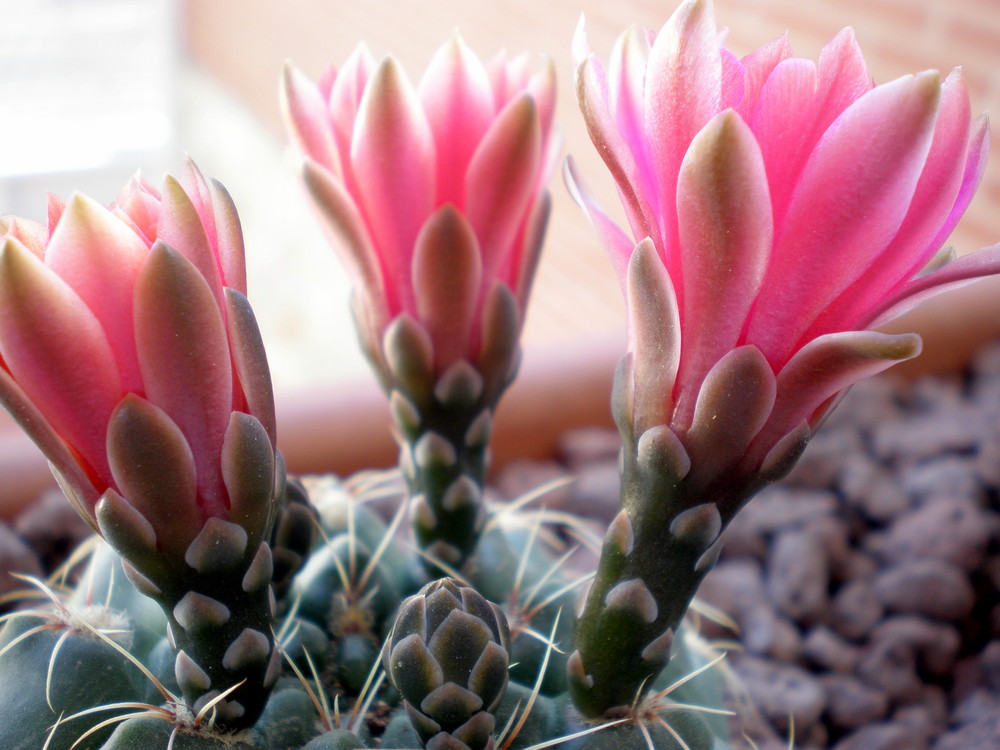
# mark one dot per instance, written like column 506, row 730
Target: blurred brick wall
column 245, row 45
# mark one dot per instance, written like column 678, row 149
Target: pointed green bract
column 153, row 467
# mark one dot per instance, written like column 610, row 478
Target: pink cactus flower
column 129, row 353
column 435, row 193
column 782, row 208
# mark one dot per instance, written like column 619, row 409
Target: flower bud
column 448, row 658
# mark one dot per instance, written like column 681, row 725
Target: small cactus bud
column 448, row 658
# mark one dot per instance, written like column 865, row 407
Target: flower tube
column 435, row 198
column 778, row 209
column 129, row 353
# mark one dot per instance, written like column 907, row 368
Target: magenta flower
column 781, row 209
column 435, row 197
column 129, row 353
column 435, row 193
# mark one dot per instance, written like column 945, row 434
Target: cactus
column 288, row 614
column 448, row 658
column 351, row 667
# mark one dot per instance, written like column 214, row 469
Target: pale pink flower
column 434, row 193
column 782, row 208
column 129, row 353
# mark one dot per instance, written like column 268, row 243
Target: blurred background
column 92, row 90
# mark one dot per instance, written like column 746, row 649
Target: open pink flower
column 781, row 207
column 129, row 353
column 435, row 193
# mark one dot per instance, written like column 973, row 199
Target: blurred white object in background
column 87, row 95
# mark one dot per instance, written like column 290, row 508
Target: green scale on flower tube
column 443, row 426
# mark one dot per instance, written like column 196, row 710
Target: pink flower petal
column 197, row 189
column 652, row 316
column 141, row 205
column 344, row 101
column 626, row 83
column 308, row 118
column 933, row 199
column 843, row 78
column 724, row 222
column 184, row 357
column 849, row 203
column 542, row 88
column 624, row 165
column 823, row 368
column 82, row 493
column 983, row 262
column 229, row 239
column 975, row 168
column 99, row 257
column 733, row 85
column 682, row 92
column 520, row 275
column 393, row 156
column 346, row 230
column 783, row 119
column 250, row 363
column 182, row 229
column 54, row 209
column 54, row 348
column 757, row 67
column 447, row 277
column 31, row 234
column 615, row 241
column 501, row 180
column 456, row 95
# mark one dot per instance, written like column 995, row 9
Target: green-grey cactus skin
column 340, row 512
column 289, row 720
column 693, row 655
column 291, row 538
column 155, row 733
column 304, row 642
column 656, row 552
column 336, row 739
column 325, row 596
column 687, row 731
column 399, row 733
column 443, row 422
column 547, row 720
column 55, row 673
column 104, row 581
column 448, row 658
column 528, row 653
